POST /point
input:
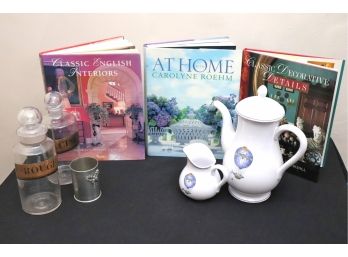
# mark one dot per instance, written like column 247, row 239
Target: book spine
column 245, row 74
column 146, row 128
column 43, row 72
column 83, row 44
column 332, row 114
column 285, row 53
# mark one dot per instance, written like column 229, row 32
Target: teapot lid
column 260, row 108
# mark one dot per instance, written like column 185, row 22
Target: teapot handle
column 224, row 172
column 300, row 152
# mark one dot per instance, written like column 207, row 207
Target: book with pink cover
column 102, row 86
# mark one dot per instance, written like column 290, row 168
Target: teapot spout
column 227, row 130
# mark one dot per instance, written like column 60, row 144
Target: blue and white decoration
column 243, row 157
column 189, row 181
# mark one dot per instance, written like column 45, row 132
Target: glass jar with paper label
column 36, row 165
column 62, row 128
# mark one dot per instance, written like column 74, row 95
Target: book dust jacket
column 105, row 93
column 308, row 91
column 181, row 84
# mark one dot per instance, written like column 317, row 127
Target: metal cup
column 85, row 179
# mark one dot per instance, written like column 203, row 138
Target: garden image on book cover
column 181, row 85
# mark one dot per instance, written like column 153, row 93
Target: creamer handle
column 300, row 152
column 224, row 172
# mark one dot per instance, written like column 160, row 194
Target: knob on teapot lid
column 260, row 108
column 262, row 90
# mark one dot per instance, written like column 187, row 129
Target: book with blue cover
column 182, row 79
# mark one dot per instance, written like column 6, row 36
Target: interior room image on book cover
column 107, row 101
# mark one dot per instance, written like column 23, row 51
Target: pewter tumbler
column 85, row 176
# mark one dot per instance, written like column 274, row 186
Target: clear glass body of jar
column 37, row 176
column 64, row 131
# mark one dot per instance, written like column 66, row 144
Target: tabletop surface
column 141, row 203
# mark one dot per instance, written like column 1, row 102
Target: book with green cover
column 307, row 87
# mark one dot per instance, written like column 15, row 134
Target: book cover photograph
column 101, row 85
column 307, row 88
column 181, row 83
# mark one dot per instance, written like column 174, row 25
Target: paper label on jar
column 36, row 170
column 65, row 144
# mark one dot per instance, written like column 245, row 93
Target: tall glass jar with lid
column 36, row 165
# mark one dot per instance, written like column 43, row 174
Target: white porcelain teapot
column 252, row 152
column 200, row 179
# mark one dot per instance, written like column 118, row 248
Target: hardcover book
column 307, row 87
column 101, row 85
column 182, row 79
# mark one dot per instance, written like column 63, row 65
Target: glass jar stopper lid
column 31, row 129
column 54, row 103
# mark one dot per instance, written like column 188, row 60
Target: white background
column 23, row 36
